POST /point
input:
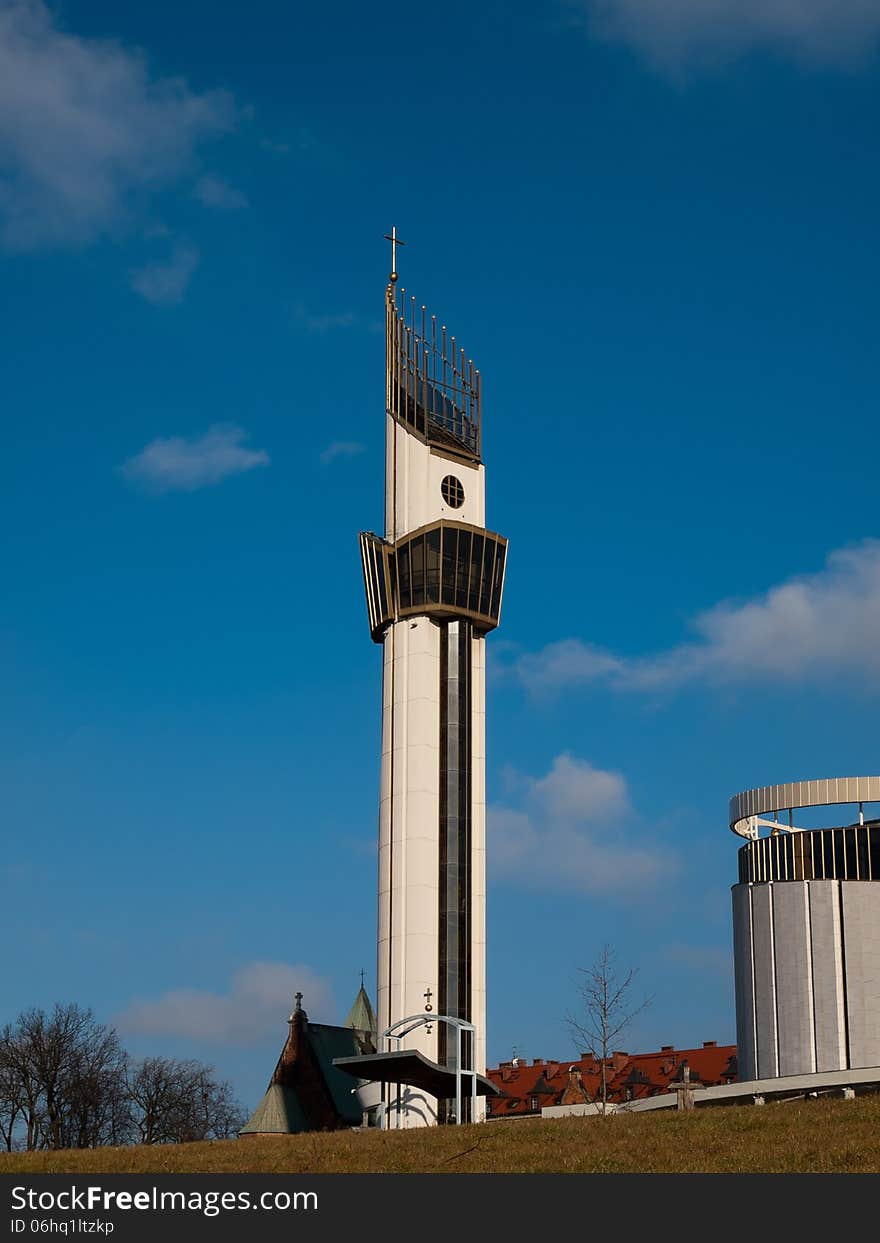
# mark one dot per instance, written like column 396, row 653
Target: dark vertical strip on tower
column 843, row 979
column 390, row 924
column 454, row 968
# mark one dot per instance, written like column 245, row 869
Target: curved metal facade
column 823, row 792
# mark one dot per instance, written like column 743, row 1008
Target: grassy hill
column 821, row 1136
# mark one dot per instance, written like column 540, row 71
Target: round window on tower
column 453, row 492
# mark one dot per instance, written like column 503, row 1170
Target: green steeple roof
column 278, row 1113
column 361, row 1016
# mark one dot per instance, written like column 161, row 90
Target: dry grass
column 821, row 1136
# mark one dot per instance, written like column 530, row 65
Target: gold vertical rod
column 434, row 345
column 396, row 395
column 454, row 376
column 479, row 415
column 472, row 405
column 443, row 335
column 404, row 365
column 399, row 362
column 423, row 340
column 461, row 430
column 425, row 383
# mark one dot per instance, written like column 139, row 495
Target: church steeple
column 361, row 1016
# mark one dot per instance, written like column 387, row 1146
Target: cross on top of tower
column 395, row 242
column 297, row 997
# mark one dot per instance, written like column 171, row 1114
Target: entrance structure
column 806, row 930
column 433, row 584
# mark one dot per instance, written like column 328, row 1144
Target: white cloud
column 213, row 192
column 165, row 281
column 255, row 1008
column 341, row 448
column 179, row 465
column 563, row 663
column 810, row 628
column 85, row 130
column 680, row 33
column 573, row 791
column 574, row 832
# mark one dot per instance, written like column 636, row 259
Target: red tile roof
column 630, row 1076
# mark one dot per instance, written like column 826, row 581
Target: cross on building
column 395, row 242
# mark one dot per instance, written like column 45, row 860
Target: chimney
column 537, row 1061
column 666, row 1048
column 710, row 1044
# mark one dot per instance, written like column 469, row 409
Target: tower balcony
column 443, row 570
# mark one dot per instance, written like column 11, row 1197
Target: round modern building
column 806, row 931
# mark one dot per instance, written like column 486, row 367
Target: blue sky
column 654, row 227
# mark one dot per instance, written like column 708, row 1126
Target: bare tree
column 71, row 1060
column 12, row 1104
column 94, row 1107
column 215, row 1113
column 24, row 1101
column 175, row 1101
column 66, row 1075
column 606, row 1012
column 66, row 1082
column 158, row 1088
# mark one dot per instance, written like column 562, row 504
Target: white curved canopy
column 824, row 792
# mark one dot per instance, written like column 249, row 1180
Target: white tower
column 806, row 932
column 433, row 587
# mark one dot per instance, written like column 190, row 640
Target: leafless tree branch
column 605, row 1012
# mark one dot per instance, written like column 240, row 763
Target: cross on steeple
column 427, row 994
column 362, row 977
column 395, row 242
column 297, row 997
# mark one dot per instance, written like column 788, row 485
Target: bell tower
column 433, row 585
